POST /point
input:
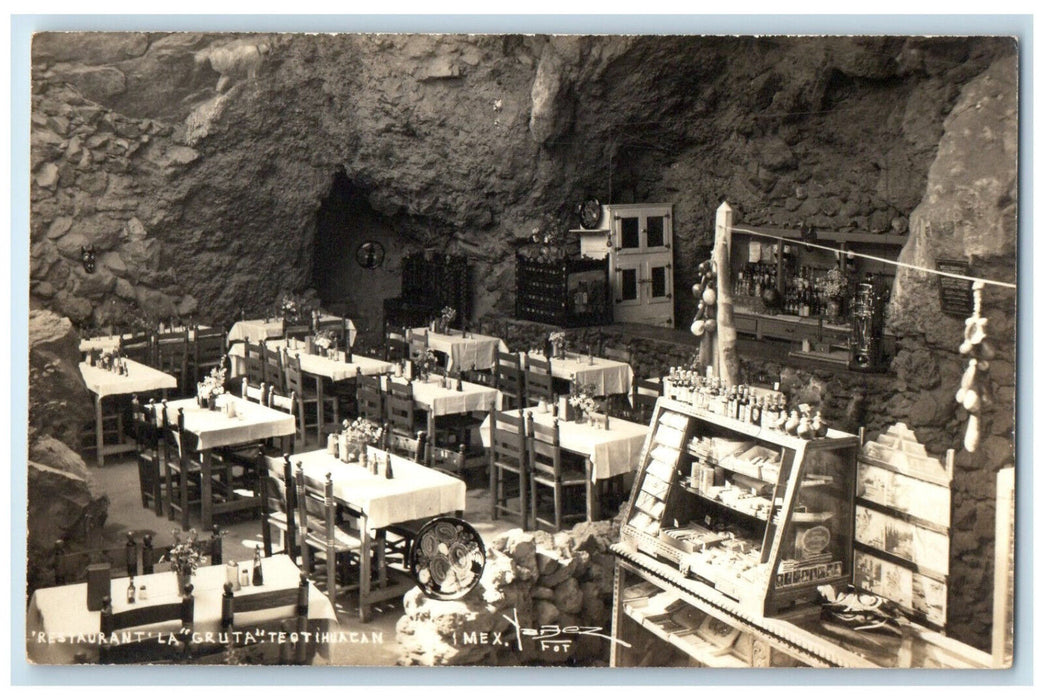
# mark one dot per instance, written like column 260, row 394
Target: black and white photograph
column 674, row 350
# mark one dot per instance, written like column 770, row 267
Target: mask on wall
column 87, row 257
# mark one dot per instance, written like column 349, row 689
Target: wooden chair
column 181, row 465
column 279, row 508
column 508, row 470
column 253, row 362
column 369, row 397
column 418, row 344
column 644, row 394
column 547, row 472
column 289, row 651
column 610, row 352
column 403, row 436
column 179, row 614
column 446, row 460
column 70, row 563
column 138, row 347
column 208, row 351
column 287, row 404
column 146, row 443
column 310, row 398
column 272, row 368
column 337, row 327
column 539, row 384
column 396, row 346
column 509, row 379
column 321, row 535
column 298, row 330
column 172, row 355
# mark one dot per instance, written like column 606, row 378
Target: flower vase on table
column 184, row 579
column 184, row 558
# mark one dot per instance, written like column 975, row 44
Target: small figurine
column 819, row 426
column 790, row 427
column 804, row 428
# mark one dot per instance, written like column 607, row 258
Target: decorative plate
column 370, row 255
column 447, row 558
column 590, row 211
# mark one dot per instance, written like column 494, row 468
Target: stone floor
column 119, row 480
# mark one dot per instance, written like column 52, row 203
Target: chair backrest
column 543, row 447
column 418, row 344
column 369, row 397
column 539, row 384
column 272, row 367
column 182, row 611
column 337, row 327
column 446, row 460
column 253, row 361
column 296, row 329
column 507, row 440
column 286, row 404
column 279, row 496
column 70, row 564
column 293, row 376
column 255, row 393
column 396, row 346
column 644, row 394
column 208, row 346
column 509, row 379
column 138, row 347
column 146, row 435
column 399, row 408
column 172, row 350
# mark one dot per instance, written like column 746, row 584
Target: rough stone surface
column 59, row 403
column 204, row 159
column 464, row 632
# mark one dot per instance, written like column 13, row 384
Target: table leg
column 99, row 430
column 592, row 491
column 431, row 427
column 205, row 494
column 364, row 569
column 382, row 570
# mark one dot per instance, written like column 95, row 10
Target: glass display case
column 759, row 515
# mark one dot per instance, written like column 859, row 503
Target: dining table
column 336, row 369
column 606, row 376
column 250, row 423
column 414, row 492
column 607, row 452
column 257, row 329
column 61, row 630
column 465, row 350
column 104, row 383
column 439, row 395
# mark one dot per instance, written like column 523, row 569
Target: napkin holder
column 98, row 585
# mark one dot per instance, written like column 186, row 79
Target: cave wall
column 196, row 163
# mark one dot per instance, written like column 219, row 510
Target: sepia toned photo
column 522, row 350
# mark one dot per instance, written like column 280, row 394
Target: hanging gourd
column 705, row 292
column 973, row 391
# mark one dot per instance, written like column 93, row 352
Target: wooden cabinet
column 637, row 240
column 430, row 282
column 566, row 292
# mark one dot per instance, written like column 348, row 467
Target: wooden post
column 726, row 364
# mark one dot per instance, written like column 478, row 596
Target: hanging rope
column 865, row 256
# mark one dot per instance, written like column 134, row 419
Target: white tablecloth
column 258, row 329
column 251, row 423
column 474, row 352
column 431, row 396
column 334, row 370
column 139, row 378
column 607, row 376
column 612, row 452
column 62, row 611
column 412, row 493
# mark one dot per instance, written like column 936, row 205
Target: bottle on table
column 258, row 578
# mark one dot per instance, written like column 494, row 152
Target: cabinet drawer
column 745, row 324
column 785, row 330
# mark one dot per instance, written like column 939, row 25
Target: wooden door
column 643, row 276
